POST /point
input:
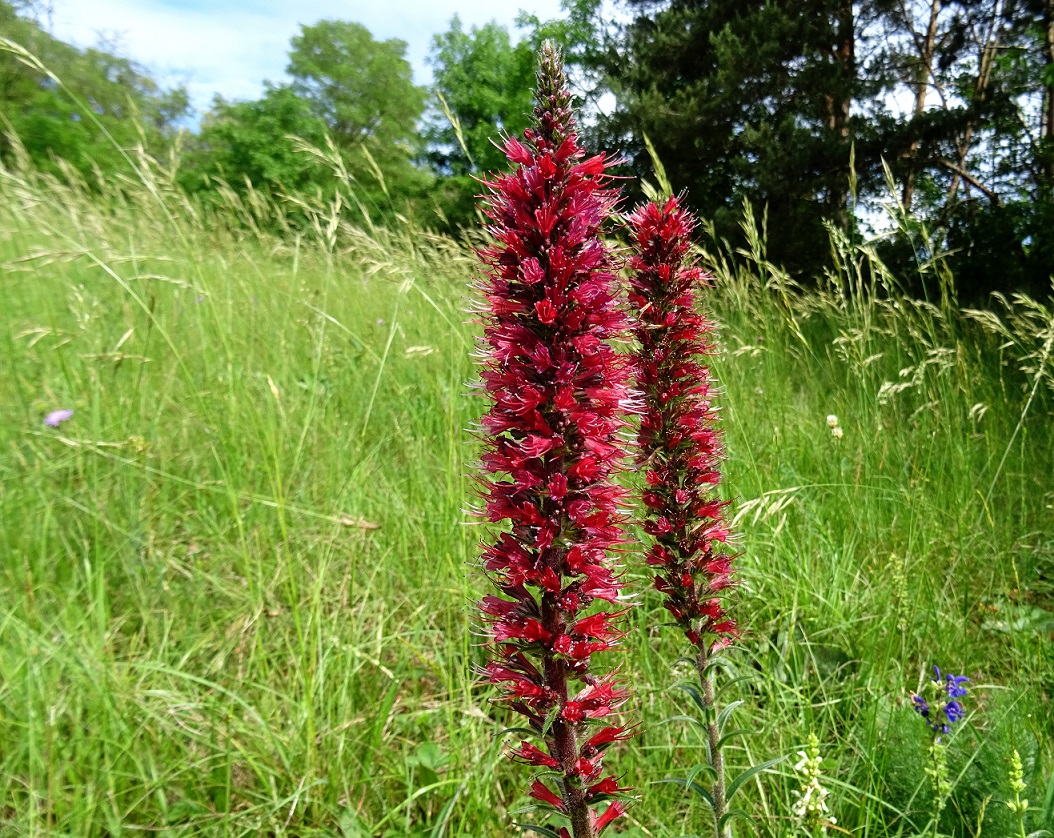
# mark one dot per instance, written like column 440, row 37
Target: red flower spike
column 558, row 393
column 679, row 444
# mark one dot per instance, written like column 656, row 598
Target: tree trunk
column 923, row 73
column 984, row 76
column 1046, row 128
column 837, row 105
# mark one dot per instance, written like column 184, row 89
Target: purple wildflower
column 948, row 688
column 57, row 417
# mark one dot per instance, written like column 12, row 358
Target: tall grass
column 234, row 587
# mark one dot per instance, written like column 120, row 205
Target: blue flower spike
column 948, row 688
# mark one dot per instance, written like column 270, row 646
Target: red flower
column 679, row 442
column 558, row 395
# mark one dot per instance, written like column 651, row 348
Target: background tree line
column 815, row 111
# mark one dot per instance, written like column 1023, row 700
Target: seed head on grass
column 557, row 394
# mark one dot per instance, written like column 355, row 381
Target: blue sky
column 231, row 46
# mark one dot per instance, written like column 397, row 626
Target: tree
column 746, row 98
column 362, row 89
column 255, row 142
column 482, row 90
column 101, row 108
column 968, row 153
column 485, row 83
column 768, row 100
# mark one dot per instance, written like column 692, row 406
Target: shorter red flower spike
column 679, row 444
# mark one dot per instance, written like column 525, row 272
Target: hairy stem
column 564, row 742
column 717, row 758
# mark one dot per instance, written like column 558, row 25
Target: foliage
column 103, row 106
column 482, row 90
column 255, row 142
column 744, row 99
column 350, row 112
column 360, row 87
column 485, row 83
column 236, row 428
column 364, row 92
column 799, row 107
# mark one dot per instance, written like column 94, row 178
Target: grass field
column 236, row 586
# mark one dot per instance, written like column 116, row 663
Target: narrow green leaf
column 522, row 731
column 723, row 716
column 692, row 786
column 735, row 785
column 730, row 814
column 443, row 818
column 732, row 734
column 683, row 718
column 701, row 768
column 541, row 830
column 693, row 691
column 550, row 719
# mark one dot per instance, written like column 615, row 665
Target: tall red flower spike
column 679, row 445
column 558, row 393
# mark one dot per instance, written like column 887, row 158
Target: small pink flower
column 57, row 417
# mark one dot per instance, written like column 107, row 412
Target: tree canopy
column 85, row 106
column 803, row 107
column 793, row 105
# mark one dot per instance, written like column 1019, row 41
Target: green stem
column 717, row 758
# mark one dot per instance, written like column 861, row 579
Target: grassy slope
column 235, row 587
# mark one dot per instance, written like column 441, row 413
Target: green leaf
column 683, row 718
column 730, row 814
column 549, row 719
column 541, row 830
column 723, row 716
column 732, row 734
column 352, row 827
column 443, row 818
column 704, row 793
column 700, row 768
column 693, row 691
column 735, row 785
column 430, row 755
column 184, row 810
column 522, row 731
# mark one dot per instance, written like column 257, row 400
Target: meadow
column 236, row 585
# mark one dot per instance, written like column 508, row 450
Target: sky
column 231, row 46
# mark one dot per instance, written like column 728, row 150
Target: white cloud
column 231, row 47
